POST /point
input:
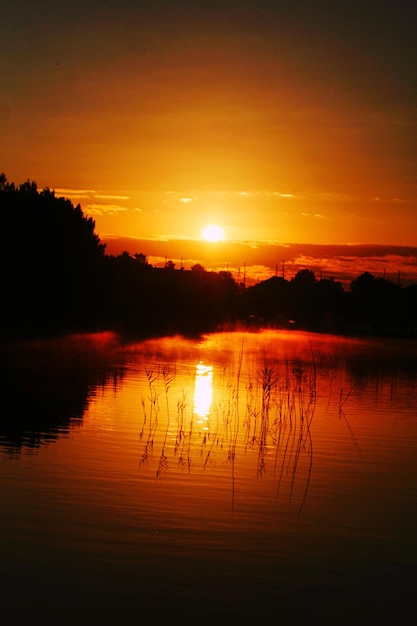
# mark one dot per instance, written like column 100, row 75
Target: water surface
column 239, row 475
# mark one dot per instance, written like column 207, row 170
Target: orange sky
column 288, row 122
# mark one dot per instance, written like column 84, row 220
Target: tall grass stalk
column 168, row 378
column 152, row 378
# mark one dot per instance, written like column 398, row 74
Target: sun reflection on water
column 203, row 392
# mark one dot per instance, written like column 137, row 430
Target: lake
column 258, row 475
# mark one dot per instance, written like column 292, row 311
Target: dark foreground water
column 259, row 476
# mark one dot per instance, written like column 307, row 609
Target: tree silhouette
column 50, row 259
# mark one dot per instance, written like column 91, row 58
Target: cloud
column 318, row 215
column 74, row 193
column 111, row 197
column 258, row 260
column 88, row 193
column 108, row 209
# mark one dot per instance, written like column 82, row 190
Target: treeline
column 56, row 277
column 372, row 306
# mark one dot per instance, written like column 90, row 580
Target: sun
column 212, row 232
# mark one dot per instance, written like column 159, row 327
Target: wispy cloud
column 75, row 193
column 108, row 209
column 318, row 215
column 100, row 196
column 89, row 193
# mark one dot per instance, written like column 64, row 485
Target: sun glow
column 212, row 232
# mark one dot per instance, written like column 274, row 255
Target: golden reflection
column 203, row 391
column 259, row 411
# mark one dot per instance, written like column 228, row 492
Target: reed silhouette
column 263, row 413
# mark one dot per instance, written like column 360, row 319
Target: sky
column 292, row 125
